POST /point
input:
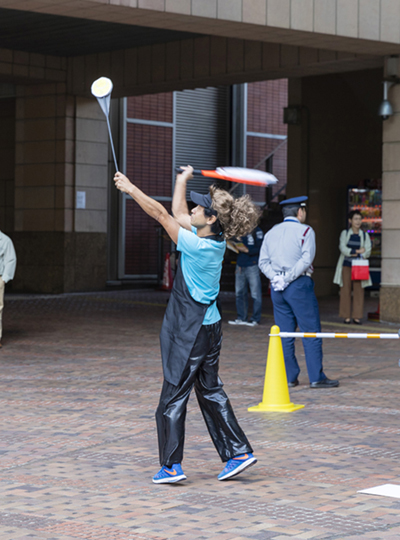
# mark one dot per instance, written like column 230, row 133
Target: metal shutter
column 202, row 131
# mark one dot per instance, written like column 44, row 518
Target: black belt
column 309, row 274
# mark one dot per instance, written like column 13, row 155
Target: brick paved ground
column 80, row 377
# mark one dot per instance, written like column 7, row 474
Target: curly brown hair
column 237, row 217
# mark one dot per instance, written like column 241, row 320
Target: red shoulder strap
column 304, row 235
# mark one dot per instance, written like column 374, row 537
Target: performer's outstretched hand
column 122, row 182
column 187, row 173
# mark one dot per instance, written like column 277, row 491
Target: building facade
column 334, row 53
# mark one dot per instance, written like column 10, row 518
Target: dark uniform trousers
column 201, row 372
column 298, row 306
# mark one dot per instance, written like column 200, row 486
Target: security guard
column 286, row 258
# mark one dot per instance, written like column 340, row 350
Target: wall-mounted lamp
column 391, row 76
column 385, row 108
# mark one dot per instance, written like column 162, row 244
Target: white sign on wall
column 80, row 200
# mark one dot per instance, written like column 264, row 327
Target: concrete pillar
column 7, row 156
column 59, row 248
column 390, row 285
column 91, row 179
column 335, row 144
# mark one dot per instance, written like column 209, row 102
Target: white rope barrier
column 332, row 335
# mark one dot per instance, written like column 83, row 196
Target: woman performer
column 191, row 333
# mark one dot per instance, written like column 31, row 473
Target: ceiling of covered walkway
column 72, row 36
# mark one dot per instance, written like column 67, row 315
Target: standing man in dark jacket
column 248, row 275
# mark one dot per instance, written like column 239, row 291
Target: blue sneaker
column 236, row 465
column 168, row 475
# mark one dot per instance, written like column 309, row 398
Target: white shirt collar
column 291, row 218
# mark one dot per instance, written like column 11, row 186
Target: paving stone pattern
column 80, row 380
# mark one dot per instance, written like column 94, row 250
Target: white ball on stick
column 101, row 89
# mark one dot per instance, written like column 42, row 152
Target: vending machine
column 369, row 203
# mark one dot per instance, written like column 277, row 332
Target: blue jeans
column 248, row 276
column 298, row 306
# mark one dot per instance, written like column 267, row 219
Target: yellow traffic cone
column 276, row 393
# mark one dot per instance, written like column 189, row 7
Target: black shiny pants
column 201, row 372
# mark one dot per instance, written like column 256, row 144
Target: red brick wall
column 141, row 240
column 265, row 103
column 157, row 107
column 149, row 165
column 266, row 100
column 149, row 158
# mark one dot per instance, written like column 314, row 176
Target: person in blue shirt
column 248, row 275
column 191, row 333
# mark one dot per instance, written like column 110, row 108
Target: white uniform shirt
column 288, row 249
column 8, row 258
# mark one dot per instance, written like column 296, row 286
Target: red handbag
column 359, row 270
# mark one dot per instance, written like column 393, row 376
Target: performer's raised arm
column 180, row 209
column 152, row 207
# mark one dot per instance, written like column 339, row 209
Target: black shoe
column 357, row 321
column 347, row 321
column 326, row 383
column 293, row 384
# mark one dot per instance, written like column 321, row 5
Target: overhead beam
column 206, row 61
column 22, row 67
column 192, row 63
column 341, row 25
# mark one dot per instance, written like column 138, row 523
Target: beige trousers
column 345, row 296
column 1, row 305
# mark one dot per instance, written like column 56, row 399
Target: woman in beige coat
column 353, row 243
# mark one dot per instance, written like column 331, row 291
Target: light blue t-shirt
column 201, row 263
